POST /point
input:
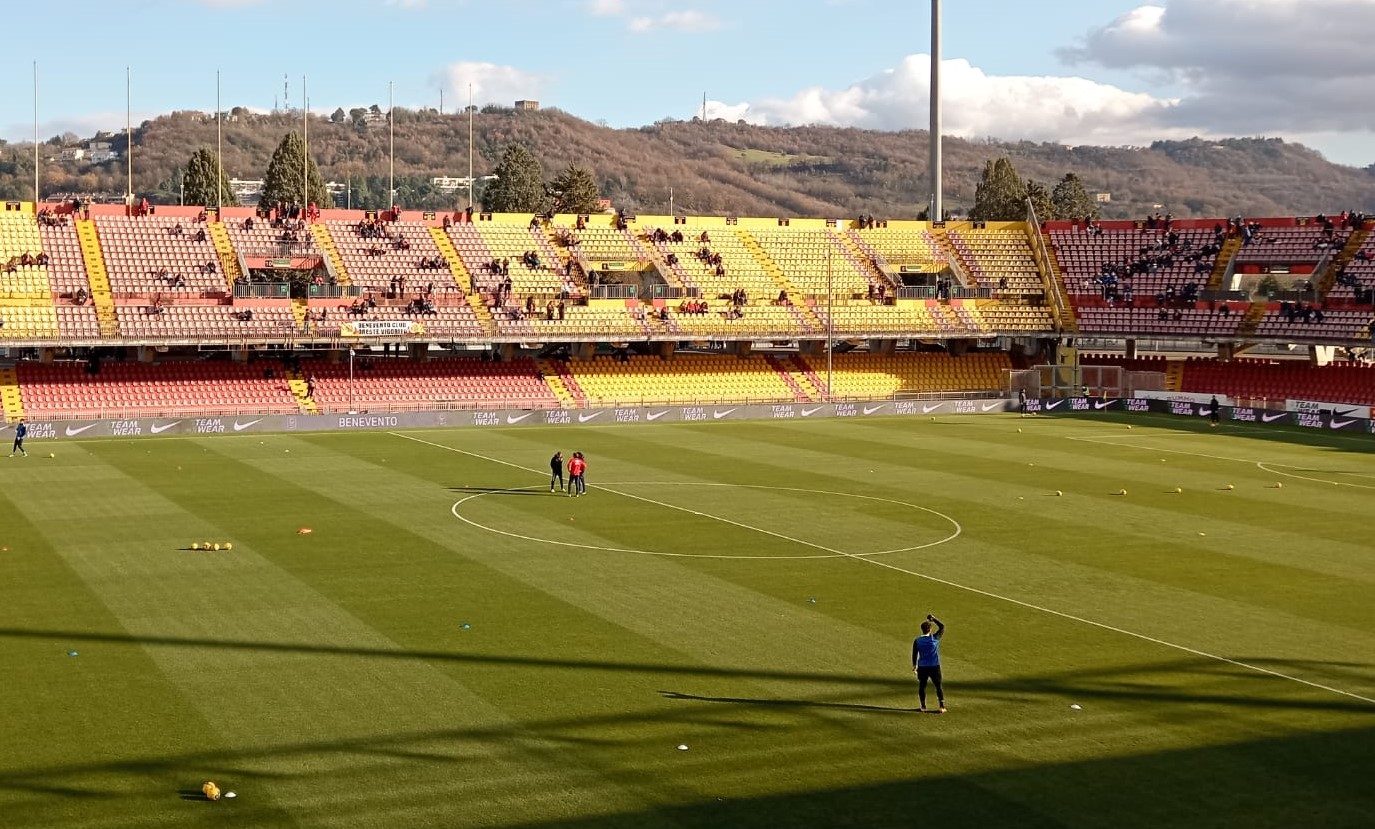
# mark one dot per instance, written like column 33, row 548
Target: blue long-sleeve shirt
column 926, row 649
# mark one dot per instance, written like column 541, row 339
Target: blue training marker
column 72, row 653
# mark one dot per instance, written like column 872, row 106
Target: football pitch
column 1150, row 623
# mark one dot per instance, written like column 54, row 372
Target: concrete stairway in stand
column 101, row 297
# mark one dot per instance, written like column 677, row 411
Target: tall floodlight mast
column 937, row 208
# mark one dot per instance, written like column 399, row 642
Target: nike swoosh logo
column 718, row 414
column 513, row 420
column 1103, row 405
column 1341, row 424
column 71, row 433
column 239, row 427
column 583, row 418
column 1272, row 418
column 1050, row 407
column 988, row 407
column 157, row 430
column 810, row 412
column 653, row 416
column 868, row 410
column 924, row 409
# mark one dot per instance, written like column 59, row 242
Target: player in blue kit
column 926, row 661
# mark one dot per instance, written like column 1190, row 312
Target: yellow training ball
column 52, row 454
column 1128, row 425
column 217, row 548
column 1121, row 492
column 1058, row 493
column 1178, row 490
column 1279, row 485
column 1229, row 486
column 195, row 545
column 228, row 546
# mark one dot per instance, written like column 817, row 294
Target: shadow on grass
column 1349, row 442
column 1099, row 683
column 493, row 490
column 1291, row 780
column 790, row 703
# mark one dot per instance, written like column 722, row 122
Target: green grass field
column 452, row 646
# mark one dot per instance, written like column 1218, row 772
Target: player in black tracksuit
column 20, row 430
column 556, row 472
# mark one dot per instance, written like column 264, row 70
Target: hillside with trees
column 712, row 168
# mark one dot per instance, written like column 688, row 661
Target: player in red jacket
column 576, row 468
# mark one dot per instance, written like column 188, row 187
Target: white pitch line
column 946, row 582
column 1248, row 461
column 1314, row 480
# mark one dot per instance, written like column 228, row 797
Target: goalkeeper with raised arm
column 926, row 661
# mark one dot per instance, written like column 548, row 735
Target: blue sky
column 1079, row 71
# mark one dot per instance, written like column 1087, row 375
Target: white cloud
column 492, row 83
column 84, row 126
column 224, row 4
column 976, row 105
column 643, row 17
column 684, row 21
column 1245, row 66
column 1286, row 68
column 606, row 8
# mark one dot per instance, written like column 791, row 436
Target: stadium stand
column 1291, row 245
column 1190, row 321
column 708, row 378
column 177, row 389
column 26, row 304
column 450, row 383
column 446, row 315
column 866, row 376
column 740, row 267
column 262, row 239
column 401, row 250
column 21, row 245
column 1273, row 380
column 191, row 322
column 1153, row 263
column 905, row 243
column 66, row 267
column 998, row 259
column 748, row 283
column 150, row 255
column 814, row 262
column 1305, row 324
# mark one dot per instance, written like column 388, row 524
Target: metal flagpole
column 937, row 197
column 35, row 135
column 471, row 183
column 305, row 140
column 830, row 327
column 129, row 130
column 219, row 152
column 391, row 151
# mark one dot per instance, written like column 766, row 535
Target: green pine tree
column 282, row 181
column 1000, row 195
column 519, row 184
column 575, row 191
column 1039, row 197
column 205, row 183
column 1071, row 200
